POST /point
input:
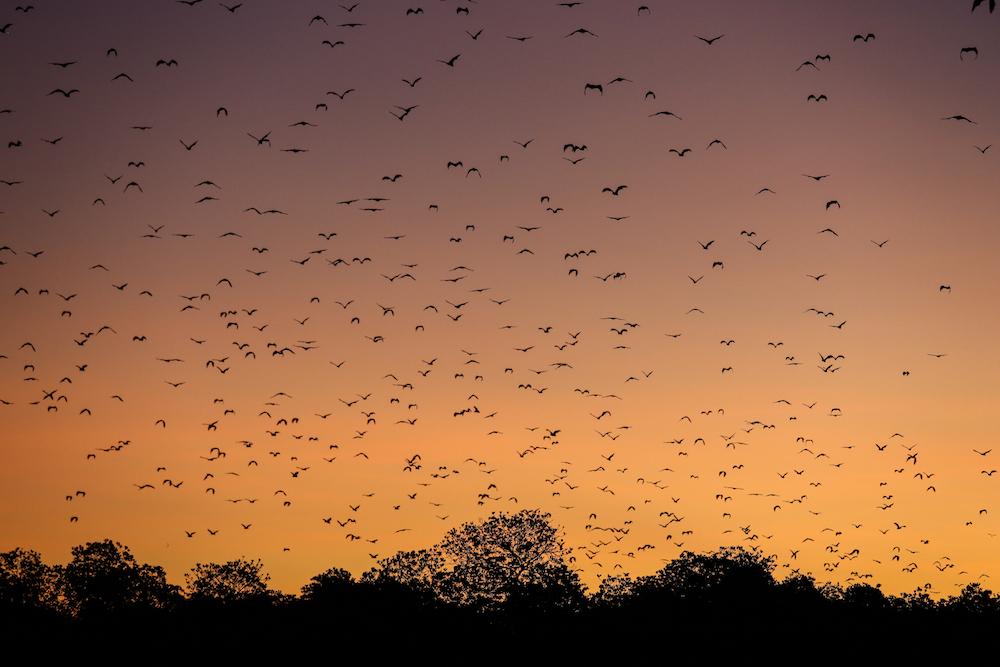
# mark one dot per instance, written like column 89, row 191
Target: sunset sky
column 886, row 477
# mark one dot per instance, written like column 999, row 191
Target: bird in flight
column 710, row 40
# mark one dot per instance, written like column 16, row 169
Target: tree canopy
column 26, row 582
column 503, row 559
column 505, row 576
column 105, row 578
column 239, row 580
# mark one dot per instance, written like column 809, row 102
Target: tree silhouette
column 864, row 596
column 517, row 559
column 974, row 600
column 419, row 570
column 731, row 575
column 504, row 579
column 234, row 581
column 503, row 555
column 614, row 590
column 330, row 585
column 917, row 602
column 696, row 592
column 103, row 578
column 27, row 583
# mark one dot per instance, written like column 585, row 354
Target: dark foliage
column 503, row 583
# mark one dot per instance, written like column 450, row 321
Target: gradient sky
column 900, row 172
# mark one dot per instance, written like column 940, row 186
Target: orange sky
column 899, row 172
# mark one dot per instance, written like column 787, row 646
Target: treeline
column 508, row 577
